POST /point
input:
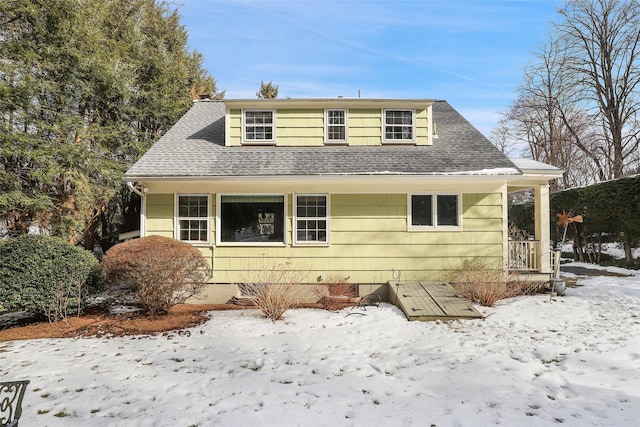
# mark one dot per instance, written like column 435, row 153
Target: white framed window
column 259, row 126
column 335, row 125
column 192, row 218
column 311, row 219
column 398, row 125
column 251, row 219
column 434, row 211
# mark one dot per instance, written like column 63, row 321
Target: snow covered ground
column 614, row 249
column 533, row 361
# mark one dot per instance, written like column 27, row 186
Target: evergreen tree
column 267, row 90
column 86, row 86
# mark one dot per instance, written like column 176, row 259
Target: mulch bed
column 98, row 322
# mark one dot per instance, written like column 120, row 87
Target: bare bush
column 516, row 233
column 65, row 297
column 334, row 291
column 276, row 288
column 321, row 291
column 484, row 284
column 160, row 271
column 274, row 299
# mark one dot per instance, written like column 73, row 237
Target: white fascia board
column 328, row 102
column 355, row 176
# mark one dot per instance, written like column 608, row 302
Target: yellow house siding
column 369, row 238
column 160, row 220
column 212, row 213
column 160, row 214
column 234, row 127
column 365, row 126
column 423, row 133
column 482, row 219
column 306, row 126
column 300, row 127
column 378, row 232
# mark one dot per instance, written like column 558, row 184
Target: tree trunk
column 626, row 242
column 578, row 242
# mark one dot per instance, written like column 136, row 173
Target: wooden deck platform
column 430, row 301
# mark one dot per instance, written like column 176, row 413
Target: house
column 357, row 188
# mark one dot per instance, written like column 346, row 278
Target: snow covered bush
column 483, row 283
column 44, row 275
column 159, row 271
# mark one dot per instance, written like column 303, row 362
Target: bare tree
column 545, row 118
column 577, row 105
column 501, row 138
column 601, row 41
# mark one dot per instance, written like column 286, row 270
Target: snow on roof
column 530, row 164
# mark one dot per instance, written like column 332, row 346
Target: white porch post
column 543, row 235
column 143, row 215
column 505, row 230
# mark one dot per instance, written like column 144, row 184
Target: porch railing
column 523, row 255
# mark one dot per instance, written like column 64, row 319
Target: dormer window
column 399, row 125
column 259, row 126
column 335, row 125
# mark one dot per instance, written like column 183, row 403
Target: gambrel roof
column 195, row 148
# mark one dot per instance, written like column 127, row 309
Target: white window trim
column 326, row 127
column 219, row 241
column 177, row 218
column 258, row 141
column 413, row 127
column 295, row 220
column 434, row 213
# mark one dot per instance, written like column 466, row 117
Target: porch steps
column 426, row 301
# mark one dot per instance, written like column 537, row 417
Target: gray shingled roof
column 194, row 147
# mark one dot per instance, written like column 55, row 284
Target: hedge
column 608, row 208
column 44, row 275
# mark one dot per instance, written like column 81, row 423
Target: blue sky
column 468, row 52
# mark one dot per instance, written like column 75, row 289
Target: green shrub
column 44, row 276
column 160, row 271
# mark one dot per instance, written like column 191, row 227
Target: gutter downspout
column 134, row 189
column 143, row 206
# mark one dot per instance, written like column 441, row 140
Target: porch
column 532, row 259
column 525, row 260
